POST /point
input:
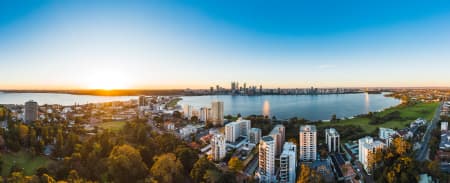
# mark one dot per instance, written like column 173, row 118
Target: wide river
column 317, row 107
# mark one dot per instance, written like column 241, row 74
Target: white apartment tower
column 332, row 139
column 366, row 146
column 232, row 131
column 254, row 136
column 205, row 114
column 217, row 113
column 187, row 111
column 278, row 134
column 218, row 147
column 236, row 129
column 308, row 143
column 288, row 163
column 266, row 170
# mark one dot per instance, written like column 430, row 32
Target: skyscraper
column 187, row 111
column 278, row 134
column 266, row 171
column 308, row 143
column 31, row 111
column 288, row 163
column 218, row 147
column 217, row 113
column 254, row 135
column 332, row 139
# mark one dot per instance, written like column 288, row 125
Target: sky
column 197, row 44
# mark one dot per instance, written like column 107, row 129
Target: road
column 423, row 151
column 252, row 166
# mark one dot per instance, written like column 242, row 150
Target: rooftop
column 308, row 128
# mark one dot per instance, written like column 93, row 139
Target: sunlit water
column 318, row 107
column 53, row 98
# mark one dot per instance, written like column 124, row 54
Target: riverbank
column 407, row 114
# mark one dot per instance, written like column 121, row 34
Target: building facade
column 332, row 139
column 232, row 132
column 217, row 113
column 387, row 135
column 218, row 147
column 278, row 134
column 205, row 114
column 266, row 170
column 288, row 163
column 31, row 111
column 308, row 143
column 254, row 135
column 366, row 146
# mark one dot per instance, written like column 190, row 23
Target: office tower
column 187, row 111
column 218, row 147
column 260, row 89
column 308, row 143
column 217, row 113
column 141, row 101
column 278, row 134
column 205, row 114
column 332, row 139
column 254, row 136
column 232, row 131
column 288, row 163
column 31, row 111
column 367, row 146
column 387, row 135
column 266, row 171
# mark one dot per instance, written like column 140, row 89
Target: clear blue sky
column 197, row 44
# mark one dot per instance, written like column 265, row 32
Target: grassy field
column 173, row 102
column 407, row 113
column 23, row 160
column 112, row 125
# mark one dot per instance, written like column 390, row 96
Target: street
column 423, row 151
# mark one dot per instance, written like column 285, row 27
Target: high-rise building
column 266, row 170
column 254, row 136
column 239, row 128
column 232, row 131
column 31, row 111
column 288, row 163
column 244, row 127
column 332, row 139
column 205, row 114
column 217, row 113
column 278, row 134
column 187, row 111
column 141, row 101
column 367, row 146
column 308, row 143
column 218, row 147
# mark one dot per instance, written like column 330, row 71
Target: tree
column 125, row 164
column 307, row 175
column 213, row 176
column 200, row 168
column 333, row 118
column 235, row 164
column 167, row 168
column 187, row 156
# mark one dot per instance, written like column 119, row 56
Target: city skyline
column 179, row 44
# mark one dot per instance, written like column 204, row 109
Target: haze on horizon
column 193, row 44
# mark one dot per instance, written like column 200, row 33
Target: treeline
column 134, row 154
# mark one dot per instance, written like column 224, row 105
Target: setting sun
column 107, row 80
